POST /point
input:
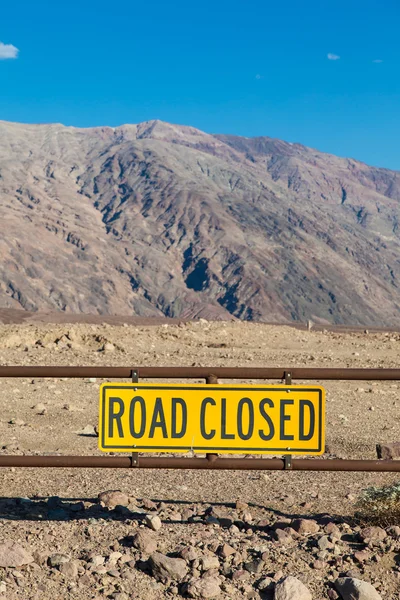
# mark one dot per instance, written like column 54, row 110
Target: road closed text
column 205, row 418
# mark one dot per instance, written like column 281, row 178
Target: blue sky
column 253, row 67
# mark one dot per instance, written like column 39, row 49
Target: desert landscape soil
column 228, row 534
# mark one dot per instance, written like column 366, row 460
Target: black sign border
column 219, row 388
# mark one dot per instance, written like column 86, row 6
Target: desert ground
column 228, row 534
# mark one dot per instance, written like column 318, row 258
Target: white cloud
column 8, row 51
column 333, row 56
column 377, row 60
column 258, row 76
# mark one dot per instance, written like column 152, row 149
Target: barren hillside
column 163, row 220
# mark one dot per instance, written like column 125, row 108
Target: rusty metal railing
column 204, row 372
column 211, row 461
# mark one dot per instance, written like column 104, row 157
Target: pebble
column 108, row 347
column 88, row 430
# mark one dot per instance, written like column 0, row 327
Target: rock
column 164, row 568
column 318, row 565
column 240, row 575
column 265, row 584
column 114, row 556
column 58, row 514
column 40, row 557
column 324, row 543
column 373, row 534
column 291, row 588
column 226, row 550
column 89, row 430
column 241, row 505
column 149, row 504
column 393, row 531
column 305, row 526
column 97, row 560
column 281, row 536
column 388, row 451
column 247, row 517
column 40, row 409
column 189, row 553
column 56, row 560
column 207, row 587
column 362, row 555
column 18, row 422
column 154, row 522
column 350, row 588
column 69, row 569
column 108, row 347
column 332, row 529
column 225, row 522
column 113, row 573
column 14, row 555
column 113, row 498
column 209, row 562
column 144, row 541
column 254, row 566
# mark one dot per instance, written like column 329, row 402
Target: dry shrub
column 380, row 505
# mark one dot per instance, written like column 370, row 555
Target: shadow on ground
column 54, row 508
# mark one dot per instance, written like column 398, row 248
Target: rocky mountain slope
column 157, row 219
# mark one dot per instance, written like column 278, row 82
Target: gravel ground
column 49, row 512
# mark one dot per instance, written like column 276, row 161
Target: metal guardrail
column 204, row 372
column 211, row 461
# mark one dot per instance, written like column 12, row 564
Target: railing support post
column 211, row 380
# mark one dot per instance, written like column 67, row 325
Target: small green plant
column 379, row 505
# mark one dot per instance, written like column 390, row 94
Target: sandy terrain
column 197, row 509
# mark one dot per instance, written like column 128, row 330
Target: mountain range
column 156, row 219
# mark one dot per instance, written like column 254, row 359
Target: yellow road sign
column 257, row 419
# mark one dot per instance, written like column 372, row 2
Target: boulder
column 305, row 526
column 350, row 588
column 206, row 587
column 144, row 541
column 14, row 555
column 291, row 588
column 154, row 522
column 69, row 569
column 373, row 534
column 112, row 498
column 165, row 568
